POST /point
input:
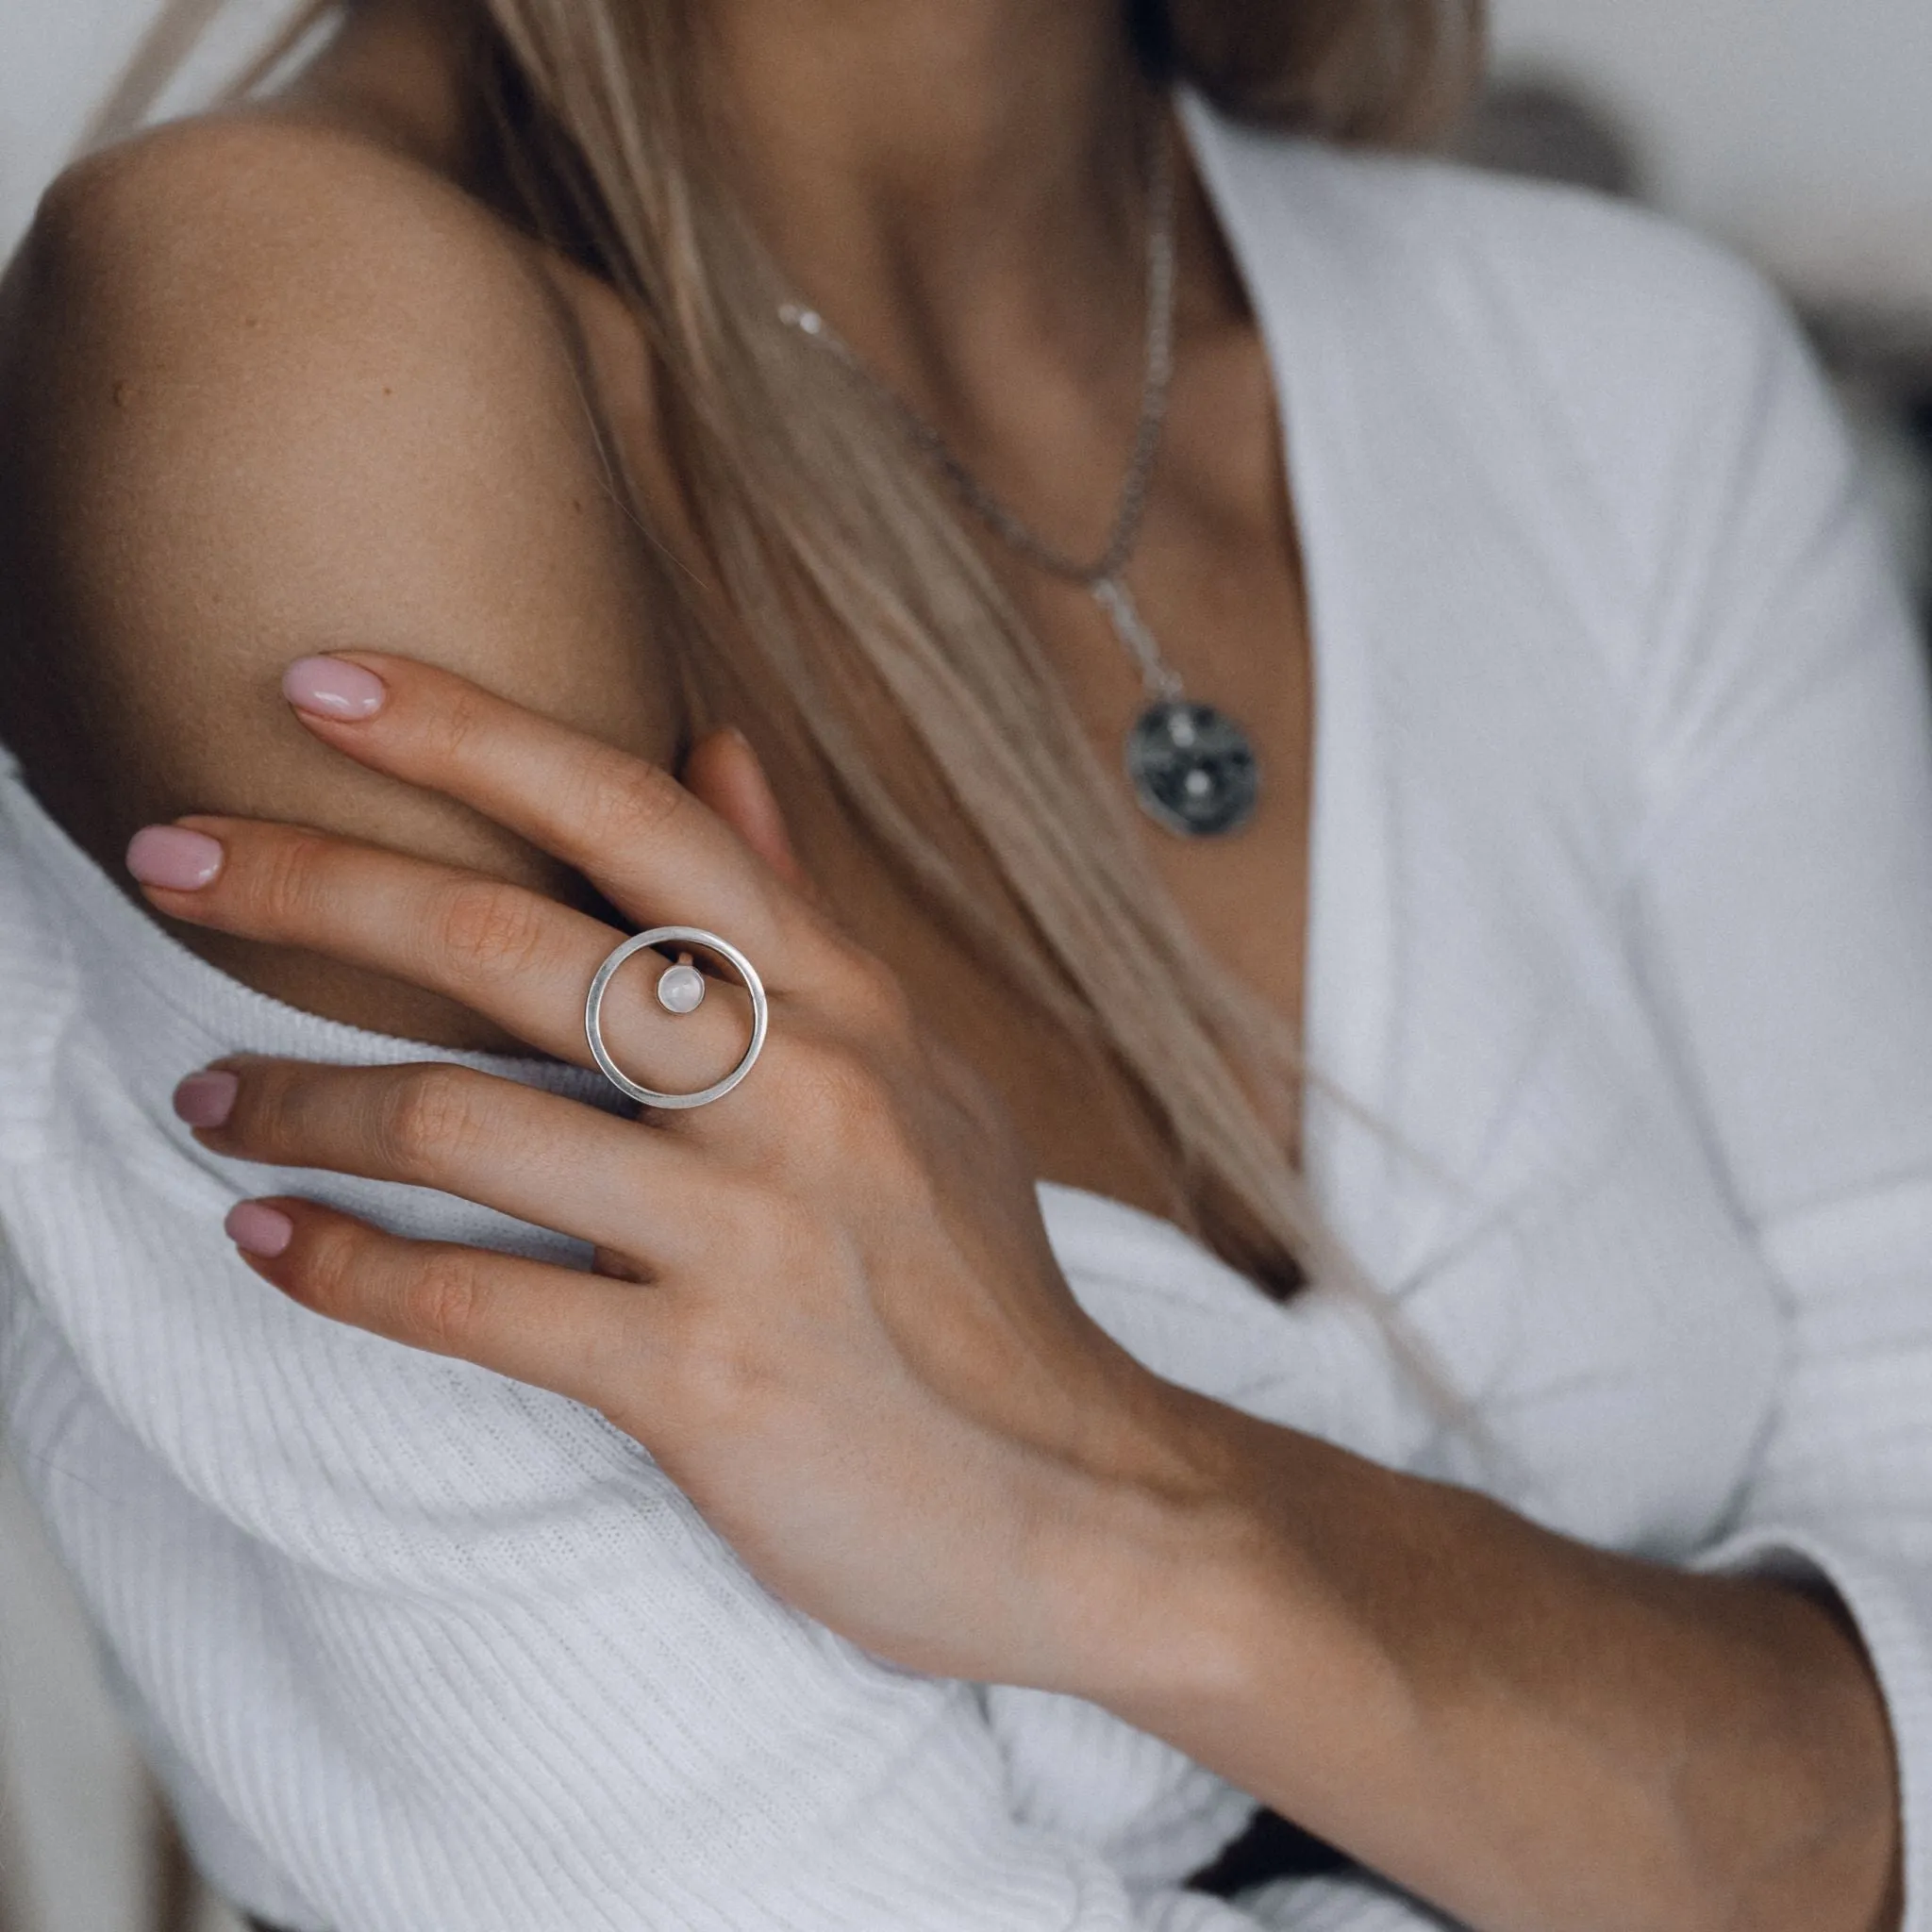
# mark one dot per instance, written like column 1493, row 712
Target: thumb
column 723, row 771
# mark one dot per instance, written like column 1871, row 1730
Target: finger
column 628, row 827
column 722, row 772
column 501, row 950
column 537, row 1157
column 582, row 1335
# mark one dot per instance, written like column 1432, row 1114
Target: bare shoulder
column 272, row 390
column 229, row 196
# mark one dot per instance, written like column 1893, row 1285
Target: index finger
column 646, row 842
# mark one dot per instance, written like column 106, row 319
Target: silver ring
column 664, row 935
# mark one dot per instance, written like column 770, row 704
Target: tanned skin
column 283, row 383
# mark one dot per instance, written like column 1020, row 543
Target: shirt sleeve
column 416, row 1648
column 1782, row 912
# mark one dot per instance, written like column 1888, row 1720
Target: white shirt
column 1621, row 953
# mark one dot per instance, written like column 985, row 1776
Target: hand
column 826, row 1305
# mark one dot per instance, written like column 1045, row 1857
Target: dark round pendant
column 1193, row 767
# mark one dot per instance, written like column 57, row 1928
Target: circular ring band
column 665, row 935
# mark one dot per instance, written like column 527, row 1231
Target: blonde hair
column 847, row 596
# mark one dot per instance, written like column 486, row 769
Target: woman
column 529, row 396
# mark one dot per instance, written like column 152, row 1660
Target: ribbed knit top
column 1620, row 987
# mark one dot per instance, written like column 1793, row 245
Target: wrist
column 1180, row 1575
column 1214, row 1612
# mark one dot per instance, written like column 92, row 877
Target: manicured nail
column 174, row 858
column 205, row 1100
column 259, row 1230
column 333, row 687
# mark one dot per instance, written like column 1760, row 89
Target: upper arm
column 1783, row 876
column 1774, row 780
column 271, row 392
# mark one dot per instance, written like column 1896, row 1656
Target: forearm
column 1535, row 1734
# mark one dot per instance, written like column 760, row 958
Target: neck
column 957, row 184
column 930, row 172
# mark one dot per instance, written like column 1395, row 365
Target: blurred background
column 1794, row 131
column 1797, row 131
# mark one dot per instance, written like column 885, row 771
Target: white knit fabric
column 1621, row 953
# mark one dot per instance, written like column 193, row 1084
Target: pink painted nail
column 259, row 1230
column 333, row 687
column 174, row 858
column 205, row 1100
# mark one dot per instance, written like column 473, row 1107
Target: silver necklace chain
column 1104, row 579
column 1193, row 767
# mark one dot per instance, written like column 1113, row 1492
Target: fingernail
column 205, row 1100
column 174, row 858
column 259, row 1230
column 333, row 687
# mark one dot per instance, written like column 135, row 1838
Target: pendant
column 1193, row 769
